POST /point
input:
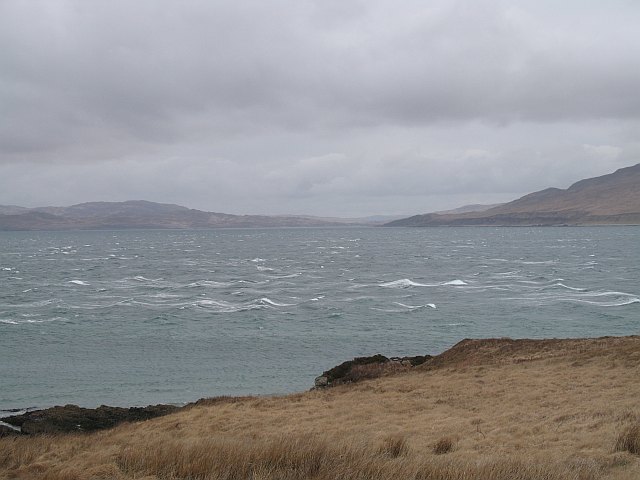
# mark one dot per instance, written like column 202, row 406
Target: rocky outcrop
column 7, row 431
column 362, row 368
column 71, row 418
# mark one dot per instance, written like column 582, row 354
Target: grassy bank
column 485, row 409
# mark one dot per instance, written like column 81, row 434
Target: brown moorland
column 484, row 409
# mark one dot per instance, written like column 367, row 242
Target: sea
column 170, row 316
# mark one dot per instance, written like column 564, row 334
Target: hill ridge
column 613, row 198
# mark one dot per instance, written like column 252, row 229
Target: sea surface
column 144, row 317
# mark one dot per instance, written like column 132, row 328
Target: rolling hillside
column 609, row 199
column 138, row 214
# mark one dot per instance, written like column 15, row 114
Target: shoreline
column 73, row 418
column 491, row 409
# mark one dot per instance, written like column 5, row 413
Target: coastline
column 490, row 409
column 73, row 418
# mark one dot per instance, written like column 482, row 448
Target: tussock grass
column 444, row 445
column 629, row 440
column 394, row 445
column 508, row 413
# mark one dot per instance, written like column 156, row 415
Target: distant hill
column 138, row 214
column 470, row 208
column 371, row 220
column 609, row 199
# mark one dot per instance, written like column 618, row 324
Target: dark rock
column 71, row 418
column 321, row 381
column 6, row 431
column 412, row 361
column 341, row 372
column 361, row 368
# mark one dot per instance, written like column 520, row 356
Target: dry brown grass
column 444, row 445
column 629, row 440
column 551, row 410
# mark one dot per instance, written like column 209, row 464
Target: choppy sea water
column 142, row 317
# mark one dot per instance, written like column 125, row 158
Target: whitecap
column 545, row 262
column 268, row 301
column 258, row 260
column 455, row 282
column 264, row 269
column 6, row 269
column 8, row 321
column 562, row 285
column 45, row 320
column 403, row 283
column 164, row 295
column 79, row 282
column 226, row 307
column 415, row 307
column 207, row 303
column 621, row 303
column 140, row 278
column 541, row 283
column 604, row 294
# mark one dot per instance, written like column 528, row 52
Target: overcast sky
column 328, row 107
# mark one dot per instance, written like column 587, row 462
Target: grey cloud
column 306, row 101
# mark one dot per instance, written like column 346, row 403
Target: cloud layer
column 327, row 107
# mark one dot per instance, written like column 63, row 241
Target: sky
column 330, row 107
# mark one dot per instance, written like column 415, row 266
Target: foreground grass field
column 485, row 409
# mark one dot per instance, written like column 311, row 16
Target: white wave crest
column 11, row 321
column 140, row 278
column 79, row 282
column 620, row 303
column 415, row 307
column 8, row 321
column 267, row 301
column 562, row 285
column 455, row 282
column 226, row 307
column 403, row 283
column 209, row 283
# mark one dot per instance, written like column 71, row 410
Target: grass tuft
column 629, row 440
column 444, row 445
column 394, row 445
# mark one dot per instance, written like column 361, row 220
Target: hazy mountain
column 138, row 214
column 609, row 199
column 470, row 208
column 12, row 210
column 371, row 220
